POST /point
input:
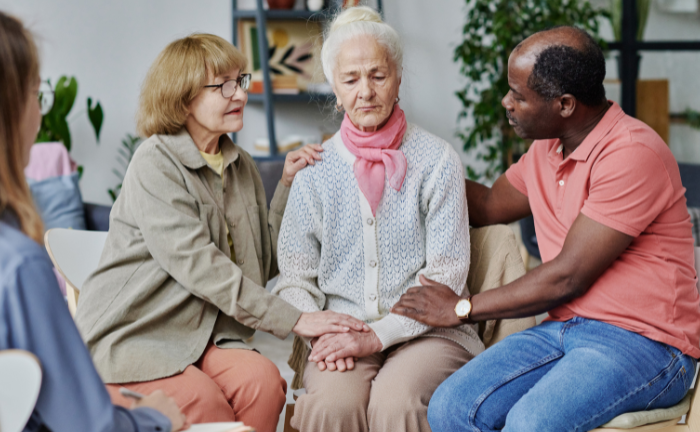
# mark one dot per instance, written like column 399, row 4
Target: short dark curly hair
column 561, row 69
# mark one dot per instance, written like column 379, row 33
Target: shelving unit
column 268, row 98
column 629, row 49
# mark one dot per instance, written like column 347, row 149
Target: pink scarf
column 377, row 153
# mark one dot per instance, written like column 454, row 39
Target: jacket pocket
column 254, row 218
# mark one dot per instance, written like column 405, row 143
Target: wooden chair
column 20, row 383
column 75, row 254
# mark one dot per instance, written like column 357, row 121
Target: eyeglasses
column 229, row 87
column 46, row 97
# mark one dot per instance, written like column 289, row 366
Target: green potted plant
column 493, row 28
column 54, row 124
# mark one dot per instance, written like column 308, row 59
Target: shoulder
column 152, row 150
column 423, row 148
column 332, row 163
column 634, row 145
column 18, row 251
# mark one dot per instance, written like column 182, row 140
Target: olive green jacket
column 166, row 285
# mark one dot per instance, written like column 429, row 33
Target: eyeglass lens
column 229, row 87
column 46, row 97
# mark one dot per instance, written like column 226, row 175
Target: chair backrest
column 495, row 261
column 75, row 254
column 20, row 383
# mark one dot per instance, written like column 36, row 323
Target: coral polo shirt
column 623, row 176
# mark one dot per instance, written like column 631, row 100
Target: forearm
column 538, row 291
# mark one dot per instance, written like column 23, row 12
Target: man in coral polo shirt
column 617, row 276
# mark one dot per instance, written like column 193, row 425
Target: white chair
column 20, row 383
column 75, row 254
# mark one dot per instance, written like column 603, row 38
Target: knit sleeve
column 299, row 248
column 444, row 200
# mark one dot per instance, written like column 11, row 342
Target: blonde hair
column 354, row 22
column 177, row 76
column 18, row 74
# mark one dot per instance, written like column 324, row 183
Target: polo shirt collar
column 604, row 126
column 182, row 145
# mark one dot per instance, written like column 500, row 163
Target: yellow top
column 216, row 161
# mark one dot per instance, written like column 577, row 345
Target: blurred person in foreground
column 33, row 316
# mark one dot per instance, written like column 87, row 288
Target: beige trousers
column 387, row 391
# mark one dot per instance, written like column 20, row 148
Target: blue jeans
column 561, row 376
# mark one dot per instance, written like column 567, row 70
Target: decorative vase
column 281, row 4
column 314, row 5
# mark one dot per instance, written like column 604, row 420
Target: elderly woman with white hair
column 385, row 210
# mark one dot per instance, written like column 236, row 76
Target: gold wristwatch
column 463, row 308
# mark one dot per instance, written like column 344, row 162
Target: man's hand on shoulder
column 432, row 303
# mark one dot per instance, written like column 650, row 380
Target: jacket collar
column 182, row 145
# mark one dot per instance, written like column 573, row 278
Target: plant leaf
column 96, row 117
column 287, row 54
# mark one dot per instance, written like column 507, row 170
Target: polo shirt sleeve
column 516, row 174
column 629, row 188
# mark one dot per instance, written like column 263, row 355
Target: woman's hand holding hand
column 341, row 365
column 333, row 347
column 317, row 324
column 298, row 159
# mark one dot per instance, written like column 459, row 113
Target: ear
column 567, row 105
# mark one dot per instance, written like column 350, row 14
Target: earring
column 339, row 108
column 397, row 100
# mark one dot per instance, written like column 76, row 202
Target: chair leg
column 289, row 413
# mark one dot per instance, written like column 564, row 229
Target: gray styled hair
column 359, row 21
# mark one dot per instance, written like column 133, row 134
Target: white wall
column 109, row 45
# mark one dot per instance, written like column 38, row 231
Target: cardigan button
column 241, row 262
column 370, row 221
column 373, row 263
column 372, row 297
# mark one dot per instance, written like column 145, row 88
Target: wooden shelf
column 301, row 97
column 282, row 14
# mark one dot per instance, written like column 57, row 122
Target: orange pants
column 224, row 385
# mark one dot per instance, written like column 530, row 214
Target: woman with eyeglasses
column 191, row 245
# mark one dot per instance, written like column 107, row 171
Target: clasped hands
column 337, row 339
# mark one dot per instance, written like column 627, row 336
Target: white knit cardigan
column 334, row 254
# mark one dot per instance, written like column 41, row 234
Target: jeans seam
column 631, row 393
column 511, row 377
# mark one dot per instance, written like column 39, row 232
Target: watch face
column 463, row 308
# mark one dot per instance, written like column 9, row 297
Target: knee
column 449, row 410
column 341, row 407
column 263, row 380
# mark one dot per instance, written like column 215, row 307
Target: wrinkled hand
column 166, row 406
column 298, row 159
column 333, row 347
column 432, row 304
column 340, row 365
column 316, row 324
